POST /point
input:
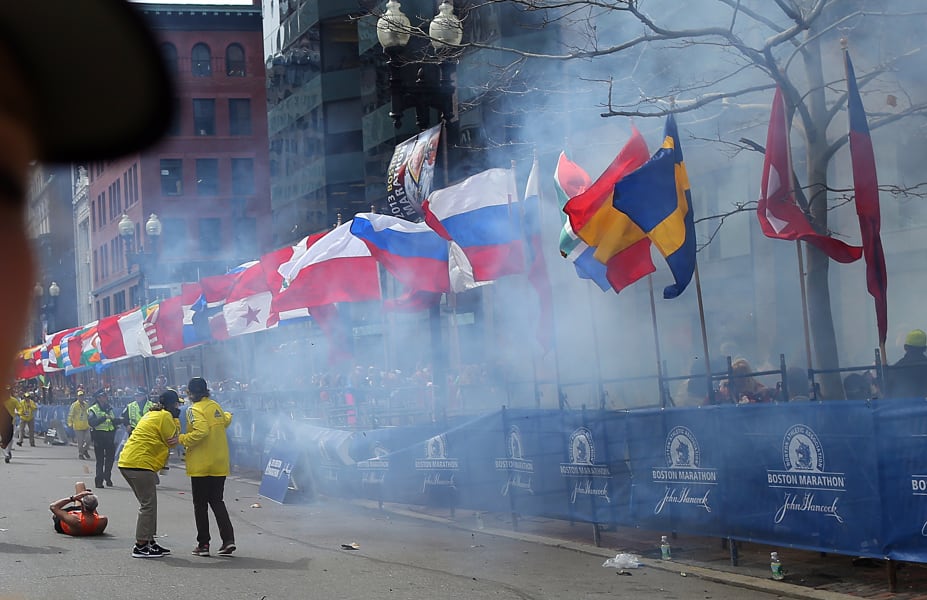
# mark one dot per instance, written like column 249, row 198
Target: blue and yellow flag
column 656, row 198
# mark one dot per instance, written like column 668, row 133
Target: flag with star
column 247, row 305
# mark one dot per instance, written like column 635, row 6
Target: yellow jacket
column 12, row 406
column 77, row 417
column 147, row 447
column 206, row 443
column 26, row 409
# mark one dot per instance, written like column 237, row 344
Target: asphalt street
column 289, row 551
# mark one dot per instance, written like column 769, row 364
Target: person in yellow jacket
column 26, row 411
column 144, row 453
column 77, row 420
column 208, row 465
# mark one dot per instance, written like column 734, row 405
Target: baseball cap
column 90, row 502
column 169, row 397
column 98, row 83
column 140, row 391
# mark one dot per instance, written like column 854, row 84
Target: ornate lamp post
column 46, row 302
column 136, row 254
column 428, row 91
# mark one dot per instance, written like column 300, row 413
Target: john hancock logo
column 440, row 469
column 582, row 468
column 515, row 465
column 804, row 478
column 373, row 470
column 684, row 470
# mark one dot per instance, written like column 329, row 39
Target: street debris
column 351, row 546
column 623, row 560
column 256, row 505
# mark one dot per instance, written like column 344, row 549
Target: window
column 173, row 237
column 119, row 302
column 235, row 61
column 96, row 265
column 171, row 177
column 133, row 296
column 169, row 54
column 93, row 215
column 243, row 176
column 245, row 232
column 201, row 61
column 174, row 127
column 210, row 235
column 239, row 116
column 207, row 176
column 204, row 116
column 106, row 310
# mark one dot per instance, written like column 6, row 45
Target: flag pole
column 701, row 317
column 804, row 306
column 656, row 342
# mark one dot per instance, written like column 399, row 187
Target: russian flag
column 478, row 213
column 412, row 252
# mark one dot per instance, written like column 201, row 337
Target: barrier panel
column 839, row 477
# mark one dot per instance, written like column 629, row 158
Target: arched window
column 201, row 59
column 169, row 54
column 235, row 61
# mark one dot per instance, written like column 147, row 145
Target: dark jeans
column 207, row 493
column 104, row 448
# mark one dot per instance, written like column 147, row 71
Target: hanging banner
column 410, row 174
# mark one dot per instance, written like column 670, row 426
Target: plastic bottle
column 664, row 548
column 775, row 566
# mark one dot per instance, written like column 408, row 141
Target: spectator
column 856, row 387
column 799, row 384
column 907, row 378
column 742, row 388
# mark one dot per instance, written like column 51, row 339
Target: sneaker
column 164, row 551
column 109, row 482
column 201, row 550
column 7, row 458
column 226, row 549
column 147, row 551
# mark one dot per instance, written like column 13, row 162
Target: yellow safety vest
column 106, row 424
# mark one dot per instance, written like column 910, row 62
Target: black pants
column 207, row 493
column 104, row 448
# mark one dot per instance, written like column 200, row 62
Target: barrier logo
column 374, row 469
column 515, row 465
column 582, row 468
column 804, row 476
column 440, row 468
column 683, row 469
column 278, row 468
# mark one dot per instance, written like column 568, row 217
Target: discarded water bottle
column 664, row 548
column 479, row 521
column 775, row 566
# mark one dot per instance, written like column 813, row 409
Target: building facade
column 206, row 181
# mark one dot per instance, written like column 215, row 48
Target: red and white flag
column 779, row 215
column 337, row 268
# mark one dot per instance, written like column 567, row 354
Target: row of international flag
column 477, row 231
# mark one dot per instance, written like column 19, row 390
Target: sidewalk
column 811, row 575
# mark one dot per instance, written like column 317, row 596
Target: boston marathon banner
column 410, row 174
column 840, row 477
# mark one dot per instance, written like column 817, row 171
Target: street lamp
column 135, row 251
column 46, row 308
column 446, row 32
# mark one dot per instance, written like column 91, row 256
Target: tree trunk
column 819, row 307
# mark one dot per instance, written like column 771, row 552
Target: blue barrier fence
column 839, row 477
